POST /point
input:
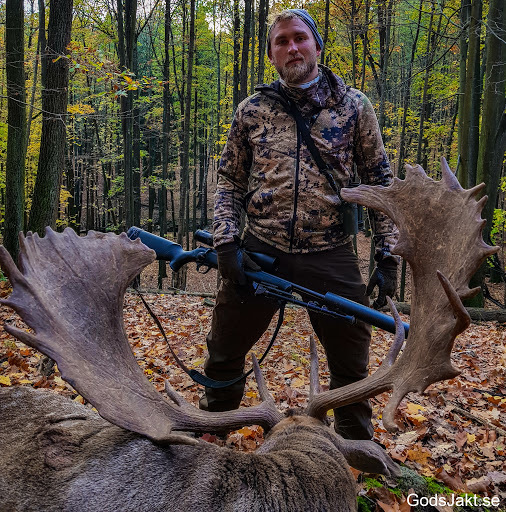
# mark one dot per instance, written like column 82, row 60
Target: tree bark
column 243, row 91
column 492, row 140
column 385, row 11
column 126, row 17
column 237, row 45
column 469, row 135
column 46, row 194
column 16, row 121
column 326, row 30
column 179, row 278
column 263, row 12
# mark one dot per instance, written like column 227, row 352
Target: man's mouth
column 294, row 61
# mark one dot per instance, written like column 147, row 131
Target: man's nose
column 292, row 48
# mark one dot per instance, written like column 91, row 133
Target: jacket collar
column 334, row 89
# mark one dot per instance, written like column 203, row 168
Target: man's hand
column 385, row 277
column 232, row 261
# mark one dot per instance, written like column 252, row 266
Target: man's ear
column 269, row 54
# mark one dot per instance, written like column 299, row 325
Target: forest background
column 114, row 113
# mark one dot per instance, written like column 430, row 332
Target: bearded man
column 293, row 213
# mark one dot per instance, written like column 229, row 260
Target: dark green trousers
column 240, row 318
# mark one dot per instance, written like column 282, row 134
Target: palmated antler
column 440, row 235
column 70, row 291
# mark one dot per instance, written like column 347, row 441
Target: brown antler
column 440, row 235
column 70, row 291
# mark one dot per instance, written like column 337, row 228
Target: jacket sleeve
column 374, row 169
column 233, row 177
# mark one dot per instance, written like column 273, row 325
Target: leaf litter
column 455, row 432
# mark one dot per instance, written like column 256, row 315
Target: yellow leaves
column 5, row 289
column 413, row 413
column 419, row 454
column 80, row 108
column 4, row 380
column 298, row 383
column 198, row 362
column 412, row 408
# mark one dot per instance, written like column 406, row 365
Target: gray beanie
column 308, row 20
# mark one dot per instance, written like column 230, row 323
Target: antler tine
column 314, row 378
column 320, row 403
column 80, row 326
column 399, row 339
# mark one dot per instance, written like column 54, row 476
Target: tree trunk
column 237, row 47
column 469, row 136
column 326, row 30
column 492, row 147
column 425, row 106
column 126, row 17
column 162, row 195
column 136, row 147
column 16, row 121
column 252, row 52
column 385, row 9
column 263, row 12
column 179, row 278
column 243, row 92
column 46, row 194
column 407, row 98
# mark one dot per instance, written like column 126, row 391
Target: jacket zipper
column 296, row 193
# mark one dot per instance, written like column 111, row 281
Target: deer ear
column 368, row 457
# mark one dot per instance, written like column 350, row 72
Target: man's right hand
column 232, row 261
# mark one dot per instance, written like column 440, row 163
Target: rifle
column 265, row 283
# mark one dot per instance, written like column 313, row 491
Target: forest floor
column 455, row 433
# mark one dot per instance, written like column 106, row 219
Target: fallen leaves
column 451, row 433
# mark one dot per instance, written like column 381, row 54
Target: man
column 293, row 212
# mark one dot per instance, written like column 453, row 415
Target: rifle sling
column 303, row 129
column 199, row 377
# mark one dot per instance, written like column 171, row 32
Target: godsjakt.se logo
column 452, row 500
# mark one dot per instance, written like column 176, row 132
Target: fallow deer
column 58, row 455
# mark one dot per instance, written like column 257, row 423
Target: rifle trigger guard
column 200, row 261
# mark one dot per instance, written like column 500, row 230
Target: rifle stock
column 271, row 285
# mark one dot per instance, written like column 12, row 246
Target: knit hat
column 308, row 20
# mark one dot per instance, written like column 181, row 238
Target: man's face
column 294, row 51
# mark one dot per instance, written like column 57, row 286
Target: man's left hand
column 385, row 277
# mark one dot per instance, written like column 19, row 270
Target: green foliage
column 369, row 483
column 117, row 186
column 498, row 226
column 98, row 83
column 365, row 504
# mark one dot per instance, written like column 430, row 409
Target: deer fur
column 59, row 456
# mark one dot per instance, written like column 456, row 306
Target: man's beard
column 297, row 73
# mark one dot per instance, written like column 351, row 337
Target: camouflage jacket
column 267, row 170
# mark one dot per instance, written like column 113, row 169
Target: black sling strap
column 303, row 129
column 199, row 377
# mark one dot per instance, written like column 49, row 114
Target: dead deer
column 58, row 455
